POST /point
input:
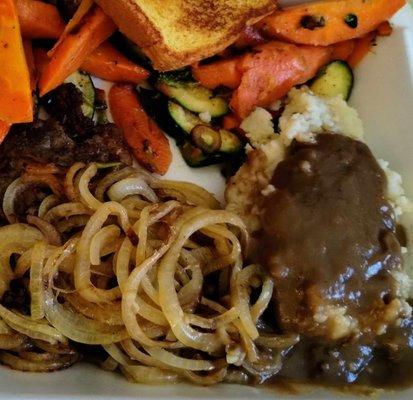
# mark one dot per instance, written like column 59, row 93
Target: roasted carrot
column 342, row 51
column 4, row 130
column 147, row 142
column 16, row 103
column 250, row 37
column 81, row 11
column 219, row 73
column 326, row 22
column 362, row 47
column 108, row 63
column 385, row 29
column 94, row 29
column 272, row 70
column 28, row 52
column 41, row 60
column 39, row 20
column 230, row 121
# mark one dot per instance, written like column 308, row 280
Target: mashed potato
column 395, row 190
column 305, row 115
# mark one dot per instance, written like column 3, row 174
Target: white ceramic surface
column 384, row 97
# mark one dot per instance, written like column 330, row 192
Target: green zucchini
column 196, row 158
column 193, row 155
column 84, row 84
column 230, row 143
column 176, row 78
column 157, row 106
column 206, row 138
column 192, row 96
column 333, row 80
column 183, row 118
column 179, row 123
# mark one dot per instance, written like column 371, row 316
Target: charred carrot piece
column 41, row 60
column 219, row 73
column 28, row 52
column 361, row 49
column 94, row 29
column 108, row 63
column 39, row 20
column 4, row 130
column 16, row 103
column 250, row 37
column 272, row 70
column 325, row 22
column 147, row 142
column 74, row 22
column 230, row 121
column 343, row 50
column 82, row 10
column 385, row 29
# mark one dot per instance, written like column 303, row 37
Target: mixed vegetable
column 201, row 107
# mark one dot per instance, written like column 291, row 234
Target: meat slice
column 48, row 141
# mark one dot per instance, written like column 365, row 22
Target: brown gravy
column 329, row 242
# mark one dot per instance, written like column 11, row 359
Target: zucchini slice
column 206, row 138
column 193, row 96
column 83, row 82
column 183, row 118
column 333, row 80
column 205, row 145
column 215, row 139
column 156, row 105
column 194, row 156
column 230, row 143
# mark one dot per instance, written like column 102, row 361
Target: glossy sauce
column 329, row 241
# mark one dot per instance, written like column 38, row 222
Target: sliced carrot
column 16, row 103
column 41, row 60
column 219, row 73
column 385, row 29
column 250, row 37
column 326, row 22
column 361, row 49
column 272, row 70
column 230, row 121
column 28, row 52
column 108, row 63
column 342, row 51
column 4, row 130
column 39, row 20
column 81, row 11
column 95, row 28
column 147, row 142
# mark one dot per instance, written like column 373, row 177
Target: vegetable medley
column 202, row 106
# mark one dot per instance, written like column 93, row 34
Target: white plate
column 384, row 98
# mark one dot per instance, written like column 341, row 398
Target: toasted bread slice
column 176, row 33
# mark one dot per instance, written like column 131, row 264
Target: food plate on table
column 259, row 244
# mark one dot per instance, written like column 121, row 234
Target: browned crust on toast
column 133, row 23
